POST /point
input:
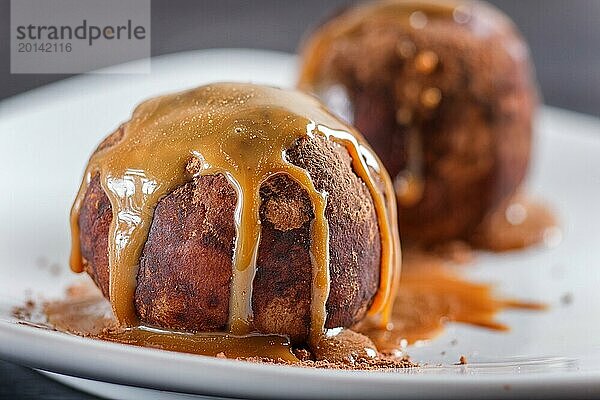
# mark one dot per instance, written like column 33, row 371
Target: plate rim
column 14, row 335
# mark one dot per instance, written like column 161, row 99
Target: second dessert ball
column 444, row 92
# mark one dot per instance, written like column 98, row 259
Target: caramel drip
column 241, row 131
column 247, row 226
column 363, row 159
column 319, row 255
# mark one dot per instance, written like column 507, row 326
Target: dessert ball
column 184, row 276
column 445, row 94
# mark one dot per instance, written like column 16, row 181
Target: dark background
column 564, row 37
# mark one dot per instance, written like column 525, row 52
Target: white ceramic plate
column 46, row 136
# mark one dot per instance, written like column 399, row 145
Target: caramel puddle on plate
column 84, row 312
column 431, row 293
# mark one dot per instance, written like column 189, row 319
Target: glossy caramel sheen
column 241, row 131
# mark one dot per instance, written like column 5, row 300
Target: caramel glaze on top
column 241, row 131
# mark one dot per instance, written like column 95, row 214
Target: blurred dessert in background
column 445, row 93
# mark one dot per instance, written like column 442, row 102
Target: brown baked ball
column 186, row 265
column 453, row 79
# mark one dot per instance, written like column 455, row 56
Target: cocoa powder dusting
column 382, row 363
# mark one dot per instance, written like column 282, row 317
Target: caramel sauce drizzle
column 241, row 131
